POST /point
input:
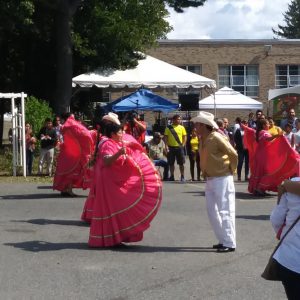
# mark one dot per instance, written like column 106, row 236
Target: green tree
column 36, row 111
column 44, row 43
column 291, row 29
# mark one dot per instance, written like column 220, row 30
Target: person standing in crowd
column 194, row 156
column 157, row 152
column 128, row 191
column 175, row 140
column 47, row 136
column 73, row 157
column 251, row 121
column 30, row 147
column 135, row 126
column 227, row 131
column 221, row 128
column 57, row 126
column 218, row 160
column 273, row 129
column 284, row 215
column 243, row 154
column 289, row 134
column 291, row 118
column 297, row 135
column 258, row 114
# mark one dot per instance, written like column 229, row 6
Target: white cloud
column 229, row 19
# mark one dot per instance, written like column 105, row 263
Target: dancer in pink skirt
column 128, row 191
column 87, row 212
column 73, row 157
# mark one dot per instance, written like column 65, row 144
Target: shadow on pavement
column 259, row 217
column 55, row 222
column 45, row 187
column 36, row 196
column 39, row 246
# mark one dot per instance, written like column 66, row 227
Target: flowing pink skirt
column 127, row 197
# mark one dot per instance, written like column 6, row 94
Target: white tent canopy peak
column 227, row 98
column 149, row 73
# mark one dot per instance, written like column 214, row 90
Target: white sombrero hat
column 206, row 118
column 112, row 117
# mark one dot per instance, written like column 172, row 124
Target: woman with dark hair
column 127, row 190
column 271, row 158
column 87, row 212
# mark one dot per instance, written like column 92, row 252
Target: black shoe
column 224, row 249
column 67, row 195
column 217, row 246
column 171, row 178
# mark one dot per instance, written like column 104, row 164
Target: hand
column 281, row 190
column 122, row 150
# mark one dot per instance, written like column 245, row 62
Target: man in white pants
column 218, row 161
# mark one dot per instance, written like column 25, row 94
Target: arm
column 279, row 213
column 183, row 140
column 110, row 159
column 228, row 149
column 140, row 124
column 293, row 141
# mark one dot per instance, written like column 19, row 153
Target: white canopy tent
column 227, row 98
column 149, row 73
column 274, row 93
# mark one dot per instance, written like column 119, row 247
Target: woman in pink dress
column 87, row 212
column 128, row 191
column 272, row 159
column 73, row 158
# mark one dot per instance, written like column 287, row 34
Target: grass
column 22, row 179
column 6, row 169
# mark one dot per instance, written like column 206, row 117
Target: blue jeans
column 162, row 163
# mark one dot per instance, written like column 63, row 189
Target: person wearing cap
column 218, row 161
column 157, row 153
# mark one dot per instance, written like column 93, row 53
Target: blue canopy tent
column 142, row 99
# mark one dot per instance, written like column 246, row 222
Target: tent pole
column 215, row 107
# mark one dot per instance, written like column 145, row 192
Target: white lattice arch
column 18, row 130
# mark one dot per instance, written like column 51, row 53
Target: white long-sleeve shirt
column 288, row 210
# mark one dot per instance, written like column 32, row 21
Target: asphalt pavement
column 44, row 251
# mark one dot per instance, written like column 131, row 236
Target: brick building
column 251, row 67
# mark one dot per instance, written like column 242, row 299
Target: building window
column 287, row 75
column 241, row 78
column 192, row 68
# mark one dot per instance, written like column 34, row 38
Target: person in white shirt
column 288, row 254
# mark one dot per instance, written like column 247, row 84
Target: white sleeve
column 279, row 213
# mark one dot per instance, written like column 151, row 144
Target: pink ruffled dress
column 270, row 161
column 74, row 155
column 127, row 195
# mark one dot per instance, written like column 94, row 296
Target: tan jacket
column 217, row 156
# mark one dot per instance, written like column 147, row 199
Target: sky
column 229, row 19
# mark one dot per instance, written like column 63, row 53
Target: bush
column 36, row 111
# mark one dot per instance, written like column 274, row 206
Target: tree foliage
column 44, row 43
column 36, row 111
column 291, row 29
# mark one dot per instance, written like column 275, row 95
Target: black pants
column 194, row 158
column 243, row 155
column 290, row 281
